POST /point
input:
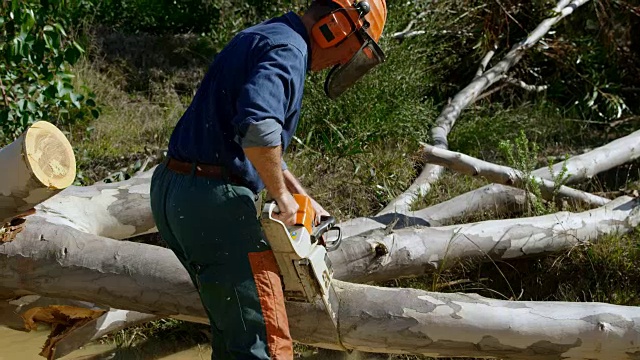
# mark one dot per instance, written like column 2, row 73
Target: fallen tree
column 500, row 199
column 42, row 163
column 58, row 261
column 505, row 175
column 449, row 115
column 374, row 319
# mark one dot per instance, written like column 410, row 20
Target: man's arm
column 267, row 161
column 295, row 187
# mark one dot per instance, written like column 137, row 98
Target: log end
column 49, row 155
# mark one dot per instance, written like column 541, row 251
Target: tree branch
column 468, row 95
column 507, row 176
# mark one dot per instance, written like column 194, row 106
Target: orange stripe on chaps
column 267, row 278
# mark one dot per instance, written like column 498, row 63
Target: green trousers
column 212, row 227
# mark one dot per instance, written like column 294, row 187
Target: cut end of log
column 49, row 155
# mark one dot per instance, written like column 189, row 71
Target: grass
column 356, row 154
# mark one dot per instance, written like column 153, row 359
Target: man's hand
column 288, row 208
column 320, row 211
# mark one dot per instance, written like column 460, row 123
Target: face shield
column 341, row 77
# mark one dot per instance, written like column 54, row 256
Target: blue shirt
column 250, row 96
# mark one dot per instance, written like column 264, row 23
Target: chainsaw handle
column 335, row 244
column 326, row 224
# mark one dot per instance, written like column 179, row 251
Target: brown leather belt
column 204, row 170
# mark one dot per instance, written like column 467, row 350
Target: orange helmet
column 354, row 30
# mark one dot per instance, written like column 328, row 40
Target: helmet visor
column 341, row 77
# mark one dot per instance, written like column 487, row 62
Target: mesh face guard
column 341, row 77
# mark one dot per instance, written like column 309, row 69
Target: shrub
column 36, row 81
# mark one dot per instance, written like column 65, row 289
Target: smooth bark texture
column 381, row 256
column 121, row 210
column 505, row 175
column 494, row 198
column 118, row 210
column 446, row 120
column 586, row 166
column 38, row 165
column 57, row 261
column 392, row 320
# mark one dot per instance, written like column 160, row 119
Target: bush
column 36, row 81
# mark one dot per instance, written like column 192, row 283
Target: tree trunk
column 392, row 320
column 58, row 261
column 38, row 165
column 117, row 210
column 381, row 256
column 121, row 210
column 448, row 117
column 505, row 175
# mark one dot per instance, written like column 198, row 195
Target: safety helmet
column 353, row 28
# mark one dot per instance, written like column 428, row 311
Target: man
column 228, row 147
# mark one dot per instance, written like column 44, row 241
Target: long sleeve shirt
column 250, row 96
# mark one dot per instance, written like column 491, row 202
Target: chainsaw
column 301, row 253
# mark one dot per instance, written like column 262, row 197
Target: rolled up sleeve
column 266, row 97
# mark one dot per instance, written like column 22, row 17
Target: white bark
column 494, row 198
column 47, row 259
column 381, row 256
column 37, row 165
column 505, row 175
column 523, row 85
column 448, row 117
column 118, row 210
column 55, row 260
column 586, row 166
column 121, row 210
column 485, row 61
column 388, row 320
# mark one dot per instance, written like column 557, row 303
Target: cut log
column 408, row 321
column 448, row 117
column 385, row 320
column 505, row 175
column 38, row 165
column 119, row 210
column 382, row 255
column 58, row 261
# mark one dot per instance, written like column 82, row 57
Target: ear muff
column 333, row 29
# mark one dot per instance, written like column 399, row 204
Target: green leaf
column 60, row 29
column 95, row 113
column 71, row 55
column 77, row 46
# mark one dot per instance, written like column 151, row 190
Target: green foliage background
column 36, row 55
